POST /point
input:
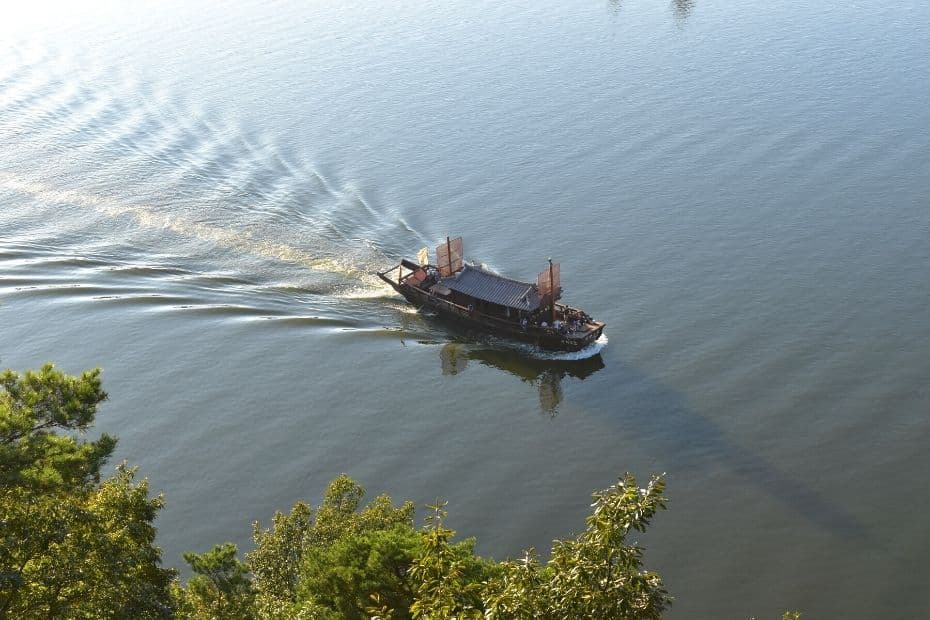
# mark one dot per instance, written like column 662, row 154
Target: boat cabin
column 489, row 293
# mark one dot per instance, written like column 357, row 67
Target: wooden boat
column 499, row 305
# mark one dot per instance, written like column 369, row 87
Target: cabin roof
column 480, row 284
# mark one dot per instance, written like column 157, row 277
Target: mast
column 449, row 253
column 552, row 291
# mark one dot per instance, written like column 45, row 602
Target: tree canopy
column 343, row 560
column 72, row 545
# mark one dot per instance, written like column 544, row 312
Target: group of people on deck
column 572, row 321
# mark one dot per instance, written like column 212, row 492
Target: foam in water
column 556, row 356
column 568, row 356
column 404, row 308
column 373, row 291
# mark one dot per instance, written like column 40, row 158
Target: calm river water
column 193, row 196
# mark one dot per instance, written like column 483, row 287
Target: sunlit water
column 194, row 197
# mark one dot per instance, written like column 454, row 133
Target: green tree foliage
column 521, row 590
column 600, row 575
column 34, row 408
column 329, row 562
column 359, row 570
column 344, row 561
column 70, row 545
column 449, row 577
column 275, row 562
column 220, row 588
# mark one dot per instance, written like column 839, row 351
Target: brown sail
column 449, row 256
column 548, row 281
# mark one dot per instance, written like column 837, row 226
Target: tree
column 306, row 563
column 599, row 575
column 596, row 575
column 220, row 588
column 71, row 545
column 33, row 408
column 343, row 561
column 520, row 592
column 359, row 569
column 448, row 586
column 275, row 561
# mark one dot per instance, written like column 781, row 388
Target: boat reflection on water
column 545, row 374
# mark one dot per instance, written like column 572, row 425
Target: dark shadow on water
column 681, row 439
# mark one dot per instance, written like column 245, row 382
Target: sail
column 548, row 283
column 449, row 257
column 423, row 256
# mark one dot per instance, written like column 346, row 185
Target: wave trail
column 149, row 217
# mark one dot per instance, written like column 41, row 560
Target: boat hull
column 545, row 338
